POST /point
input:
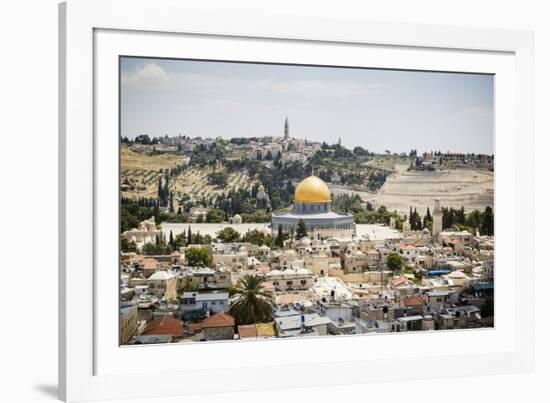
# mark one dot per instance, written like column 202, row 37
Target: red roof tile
column 194, row 327
column 399, row 281
column 150, row 264
column 218, row 320
column 413, row 300
column 164, row 325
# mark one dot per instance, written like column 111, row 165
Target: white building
column 211, row 302
column 302, row 325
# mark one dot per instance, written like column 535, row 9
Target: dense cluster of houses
column 315, row 287
column 267, row 149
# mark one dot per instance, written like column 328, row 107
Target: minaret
column 286, row 128
column 437, row 219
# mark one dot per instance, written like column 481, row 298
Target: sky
column 376, row 109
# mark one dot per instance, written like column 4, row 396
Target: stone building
column 204, row 278
column 219, row 327
column 163, row 284
column 290, row 279
column 145, row 233
column 355, row 262
column 128, row 322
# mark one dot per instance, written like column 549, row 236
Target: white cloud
column 152, row 76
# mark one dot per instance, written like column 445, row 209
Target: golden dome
column 312, row 189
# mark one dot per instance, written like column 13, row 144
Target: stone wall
column 366, row 277
column 219, row 333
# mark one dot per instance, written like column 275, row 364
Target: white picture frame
column 94, row 33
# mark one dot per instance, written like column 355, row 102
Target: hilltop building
column 312, row 204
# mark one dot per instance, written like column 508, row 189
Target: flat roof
column 438, row 293
column 410, row 318
column 206, row 296
column 295, row 321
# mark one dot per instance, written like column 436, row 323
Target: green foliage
column 280, row 240
column 257, row 216
column 163, row 190
column 174, row 218
column 347, row 203
column 252, row 305
column 157, row 248
column 198, row 257
column 352, row 204
column 128, row 220
column 257, row 238
column 336, row 158
column 228, row 234
column 218, row 179
column 428, row 220
column 127, row 246
column 417, row 275
column 198, row 239
column 190, row 287
column 180, row 240
column 394, row 261
column 488, row 222
column 472, row 222
column 360, row 151
column 132, row 212
column 301, row 229
column 207, row 155
column 171, row 239
column 215, row 216
column 462, row 227
column 415, row 220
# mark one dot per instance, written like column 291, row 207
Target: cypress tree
column 461, row 218
column 301, row 230
column 279, row 241
column 487, row 222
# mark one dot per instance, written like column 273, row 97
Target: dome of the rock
column 312, row 190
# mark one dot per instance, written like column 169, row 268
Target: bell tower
column 437, row 219
column 286, row 129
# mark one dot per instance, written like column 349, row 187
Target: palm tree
column 252, row 305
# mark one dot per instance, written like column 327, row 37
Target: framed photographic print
column 239, row 201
